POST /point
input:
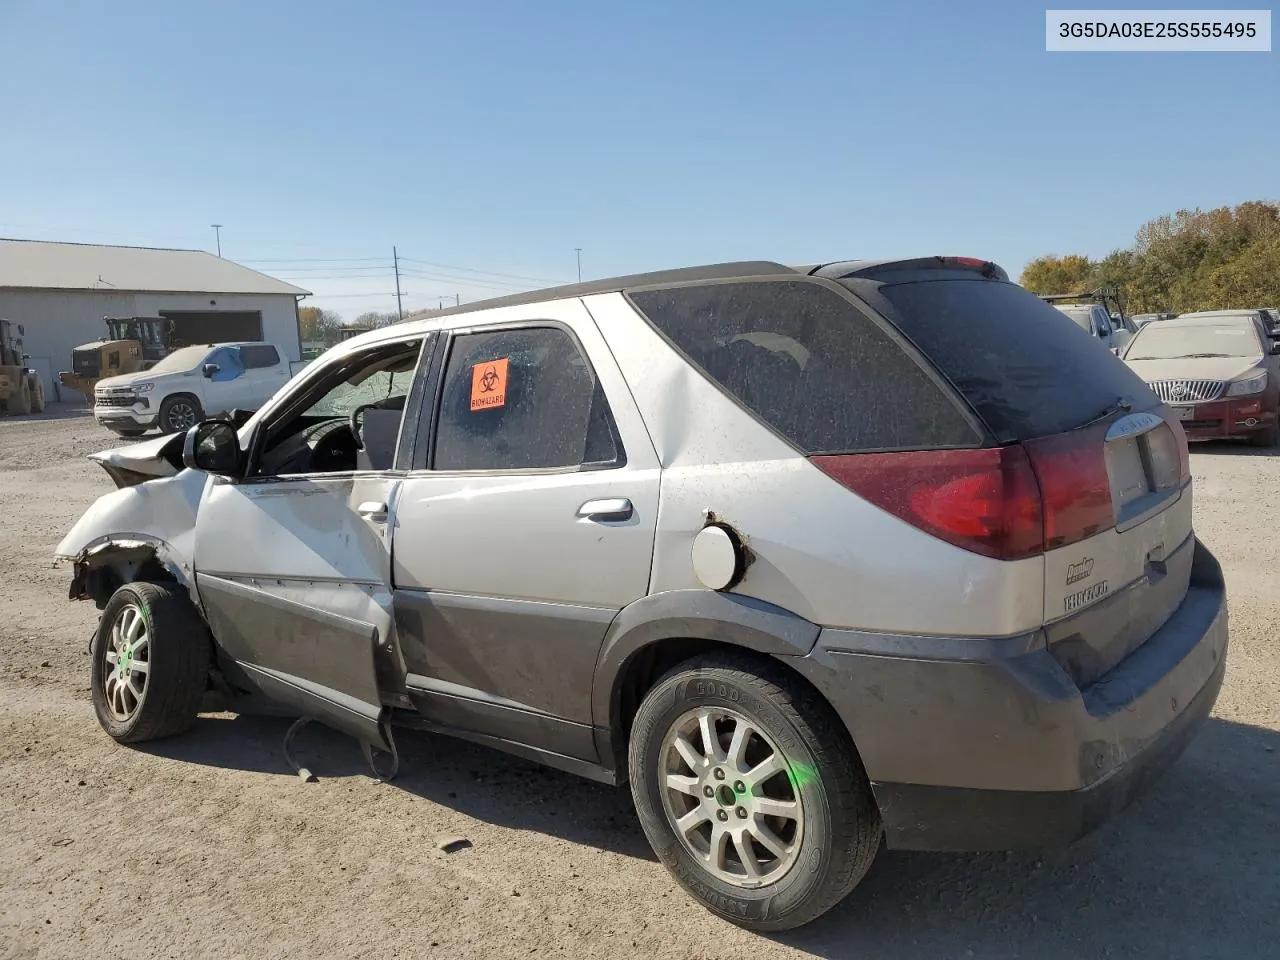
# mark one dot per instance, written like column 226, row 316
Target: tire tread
column 179, row 675
column 856, row 825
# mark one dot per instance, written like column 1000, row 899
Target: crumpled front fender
column 153, row 518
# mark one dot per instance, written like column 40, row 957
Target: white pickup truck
column 189, row 385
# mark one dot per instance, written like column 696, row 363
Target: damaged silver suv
column 816, row 558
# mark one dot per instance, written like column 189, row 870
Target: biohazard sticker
column 489, row 385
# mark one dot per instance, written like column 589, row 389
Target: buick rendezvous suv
column 816, row 559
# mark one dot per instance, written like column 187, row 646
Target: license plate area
column 1143, row 465
column 1184, row 413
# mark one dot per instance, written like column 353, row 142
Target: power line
column 335, row 296
column 320, row 260
column 345, row 269
column 467, row 281
column 489, row 273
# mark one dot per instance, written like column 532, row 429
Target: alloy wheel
column 128, row 663
column 730, row 797
column 181, row 416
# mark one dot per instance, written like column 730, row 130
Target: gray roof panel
column 44, row 265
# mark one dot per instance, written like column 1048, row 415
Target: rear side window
column 808, row 363
column 259, row 355
column 1020, row 363
column 522, row 400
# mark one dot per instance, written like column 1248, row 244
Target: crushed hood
column 1194, row 368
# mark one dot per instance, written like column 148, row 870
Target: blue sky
column 499, row 136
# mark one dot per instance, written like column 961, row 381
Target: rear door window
column 1016, row 359
column 257, row 355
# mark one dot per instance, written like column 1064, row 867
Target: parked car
column 1218, row 370
column 815, row 559
column 189, row 384
column 1271, row 319
column 1094, row 320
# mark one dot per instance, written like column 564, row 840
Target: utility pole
column 578, row 251
column 457, row 299
column 217, row 232
column 395, row 259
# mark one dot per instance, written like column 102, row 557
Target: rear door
column 526, row 525
column 1109, row 459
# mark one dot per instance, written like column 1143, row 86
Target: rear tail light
column 1003, row 502
column 1072, row 472
column 982, row 500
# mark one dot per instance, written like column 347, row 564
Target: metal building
column 60, row 293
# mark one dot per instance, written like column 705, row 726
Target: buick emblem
column 1178, row 390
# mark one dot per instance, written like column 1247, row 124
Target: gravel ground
column 207, row 845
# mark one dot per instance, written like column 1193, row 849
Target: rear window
column 1024, row 366
column 1080, row 316
column 809, row 364
column 259, row 355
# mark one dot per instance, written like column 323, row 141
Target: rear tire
column 179, row 413
column 150, row 663
column 131, row 434
column 37, row 396
column 20, row 399
column 795, row 841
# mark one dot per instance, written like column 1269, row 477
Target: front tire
column 150, row 659
column 20, row 399
column 179, row 413
column 751, row 792
column 37, row 395
column 1266, row 438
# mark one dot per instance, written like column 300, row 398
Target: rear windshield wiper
column 1200, row 356
column 1120, row 403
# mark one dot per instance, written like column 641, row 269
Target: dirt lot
column 207, row 846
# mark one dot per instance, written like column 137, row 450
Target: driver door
column 294, row 569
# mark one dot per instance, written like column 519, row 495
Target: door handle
column 605, row 510
column 372, row 510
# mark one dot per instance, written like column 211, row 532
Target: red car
column 1218, row 370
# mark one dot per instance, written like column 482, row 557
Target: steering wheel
column 356, row 414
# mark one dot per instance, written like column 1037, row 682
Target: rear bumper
column 995, row 748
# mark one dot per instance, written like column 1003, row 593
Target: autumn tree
column 318, row 325
column 1051, row 274
column 1190, row 260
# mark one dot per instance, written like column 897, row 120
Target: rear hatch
column 1109, row 460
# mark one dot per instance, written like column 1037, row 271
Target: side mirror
column 1275, row 348
column 22, row 331
column 209, row 369
column 214, row 447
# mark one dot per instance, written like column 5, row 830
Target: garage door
column 214, row 326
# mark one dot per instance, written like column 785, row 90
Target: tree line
column 325, row 326
column 1228, row 258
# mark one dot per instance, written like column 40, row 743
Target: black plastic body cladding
column 990, row 744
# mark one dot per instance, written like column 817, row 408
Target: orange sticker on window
column 489, row 385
